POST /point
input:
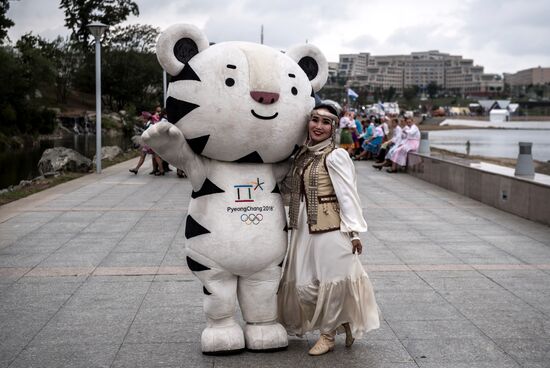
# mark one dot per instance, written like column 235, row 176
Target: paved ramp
column 91, row 275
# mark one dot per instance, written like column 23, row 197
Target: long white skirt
column 324, row 285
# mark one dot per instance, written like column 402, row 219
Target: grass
column 45, row 183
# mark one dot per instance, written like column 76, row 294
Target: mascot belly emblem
column 236, row 112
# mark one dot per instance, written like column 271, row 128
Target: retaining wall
column 522, row 197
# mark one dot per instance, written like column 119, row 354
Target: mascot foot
column 222, row 340
column 265, row 338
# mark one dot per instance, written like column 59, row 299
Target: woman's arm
column 342, row 174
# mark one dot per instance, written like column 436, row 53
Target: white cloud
column 502, row 35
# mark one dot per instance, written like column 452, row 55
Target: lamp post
column 97, row 30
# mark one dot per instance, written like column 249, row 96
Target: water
column 492, row 142
column 23, row 165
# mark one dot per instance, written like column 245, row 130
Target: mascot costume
column 236, row 113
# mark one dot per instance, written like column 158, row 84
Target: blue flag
column 352, row 94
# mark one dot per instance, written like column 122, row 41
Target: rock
column 116, row 117
column 109, row 153
column 63, row 159
column 25, row 183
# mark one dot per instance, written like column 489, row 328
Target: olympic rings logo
column 252, row 218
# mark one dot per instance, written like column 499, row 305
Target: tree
column 38, row 69
column 80, row 13
column 134, row 37
column 139, row 86
column 432, row 89
column 5, row 22
column 410, row 93
column 20, row 112
column 389, row 94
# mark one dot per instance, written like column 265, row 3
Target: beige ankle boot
column 323, row 345
column 349, row 337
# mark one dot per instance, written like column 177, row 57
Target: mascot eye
column 229, row 82
column 294, row 91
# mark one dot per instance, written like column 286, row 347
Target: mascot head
column 239, row 101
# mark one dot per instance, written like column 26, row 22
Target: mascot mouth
column 264, row 117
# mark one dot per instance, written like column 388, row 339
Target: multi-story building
column 531, row 76
column 450, row 72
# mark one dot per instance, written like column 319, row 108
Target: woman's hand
column 357, row 246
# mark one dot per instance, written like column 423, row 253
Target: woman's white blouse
column 342, row 174
column 397, row 131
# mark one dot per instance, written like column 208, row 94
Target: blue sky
column 503, row 36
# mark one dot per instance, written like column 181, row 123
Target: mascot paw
column 222, row 340
column 265, row 337
column 160, row 134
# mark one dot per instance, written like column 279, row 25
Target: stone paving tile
column 116, row 222
column 145, row 241
column 398, row 281
column 22, row 260
column 537, row 298
column 64, row 258
column 435, row 329
column 174, row 257
column 519, row 279
column 449, row 350
column 155, row 332
column 527, row 350
column 66, row 355
column 120, row 259
column 417, row 305
column 455, row 236
column 480, row 253
column 166, row 355
column 513, row 325
column 508, row 364
column 90, row 244
column 378, row 255
column 443, row 281
column 37, row 243
column 9, row 275
column 424, row 254
column 95, row 294
column 87, row 326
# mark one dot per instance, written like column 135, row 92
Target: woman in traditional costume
column 324, row 286
column 410, row 143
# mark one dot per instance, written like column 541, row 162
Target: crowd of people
column 385, row 139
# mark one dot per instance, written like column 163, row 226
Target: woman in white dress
column 410, row 142
column 324, row 286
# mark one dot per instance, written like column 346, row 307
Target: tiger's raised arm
column 170, row 144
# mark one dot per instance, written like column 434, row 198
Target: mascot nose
column 266, row 98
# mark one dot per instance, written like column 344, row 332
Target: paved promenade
column 92, row 275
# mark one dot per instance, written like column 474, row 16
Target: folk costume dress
column 409, row 143
column 324, row 284
column 346, row 138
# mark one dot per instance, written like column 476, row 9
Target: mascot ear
column 313, row 62
column 177, row 45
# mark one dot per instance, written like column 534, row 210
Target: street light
column 97, row 30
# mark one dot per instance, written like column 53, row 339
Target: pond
column 23, row 165
column 492, row 142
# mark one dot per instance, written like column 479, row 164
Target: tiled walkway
column 92, row 275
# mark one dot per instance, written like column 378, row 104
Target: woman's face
column 320, row 125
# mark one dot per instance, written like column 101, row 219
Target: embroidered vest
column 326, row 203
column 313, row 182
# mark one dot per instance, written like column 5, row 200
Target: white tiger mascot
column 236, row 111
